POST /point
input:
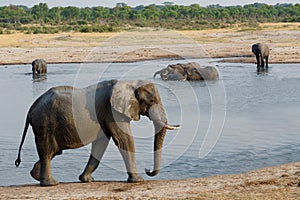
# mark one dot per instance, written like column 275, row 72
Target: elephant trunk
column 159, row 119
column 156, row 73
column 158, row 143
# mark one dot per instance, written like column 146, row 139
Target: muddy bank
column 281, row 182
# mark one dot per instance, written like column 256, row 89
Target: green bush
column 85, row 29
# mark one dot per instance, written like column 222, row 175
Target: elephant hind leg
column 46, row 178
column 267, row 61
column 47, row 149
column 36, row 170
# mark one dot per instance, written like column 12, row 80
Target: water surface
column 243, row 122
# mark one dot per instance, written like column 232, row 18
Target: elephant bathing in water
column 39, row 66
column 261, row 52
column 188, row 71
column 208, row 73
column 65, row 117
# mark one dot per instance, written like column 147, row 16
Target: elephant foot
column 35, row 172
column 86, row 179
column 49, row 182
column 134, row 178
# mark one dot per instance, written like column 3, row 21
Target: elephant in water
column 261, row 52
column 176, row 71
column 208, row 73
column 39, row 66
column 189, row 71
column 65, row 117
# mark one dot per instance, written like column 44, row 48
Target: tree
column 100, row 13
column 121, row 11
column 55, row 14
column 40, row 12
column 70, row 13
column 151, row 12
column 85, row 14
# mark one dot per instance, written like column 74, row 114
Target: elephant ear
column 123, row 99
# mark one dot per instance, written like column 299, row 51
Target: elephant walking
column 261, row 52
column 39, row 66
column 65, row 117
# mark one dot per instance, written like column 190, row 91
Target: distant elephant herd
column 66, row 117
column 183, row 71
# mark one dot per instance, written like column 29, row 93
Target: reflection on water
column 260, row 110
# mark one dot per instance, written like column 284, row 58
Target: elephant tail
column 18, row 160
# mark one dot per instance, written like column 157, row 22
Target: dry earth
column 145, row 44
column 281, row 182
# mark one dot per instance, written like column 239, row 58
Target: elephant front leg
column 130, row 163
column 257, row 62
column 124, row 141
column 98, row 148
column 262, row 63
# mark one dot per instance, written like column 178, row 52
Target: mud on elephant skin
column 261, row 52
column 187, row 71
column 65, row 117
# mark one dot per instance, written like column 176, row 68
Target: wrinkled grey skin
column 65, row 117
column 261, row 52
column 208, row 73
column 176, row 71
column 174, row 77
column 39, row 66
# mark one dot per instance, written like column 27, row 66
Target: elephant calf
column 261, row 52
column 39, row 66
column 188, row 71
column 65, row 117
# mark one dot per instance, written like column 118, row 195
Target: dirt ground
column 144, row 44
column 280, row 182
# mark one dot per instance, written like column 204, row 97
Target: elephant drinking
column 66, row 117
column 39, row 66
column 261, row 52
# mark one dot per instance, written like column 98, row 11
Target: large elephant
column 39, row 66
column 208, row 73
column 261, row 52
column 65, row 117
column 176, row 71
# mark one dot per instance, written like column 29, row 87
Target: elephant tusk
column 172, row 127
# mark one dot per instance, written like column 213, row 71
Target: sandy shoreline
column 283, row 40
column 281, row 182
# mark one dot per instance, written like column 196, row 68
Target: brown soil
column 283, row 40
column 281, row 182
